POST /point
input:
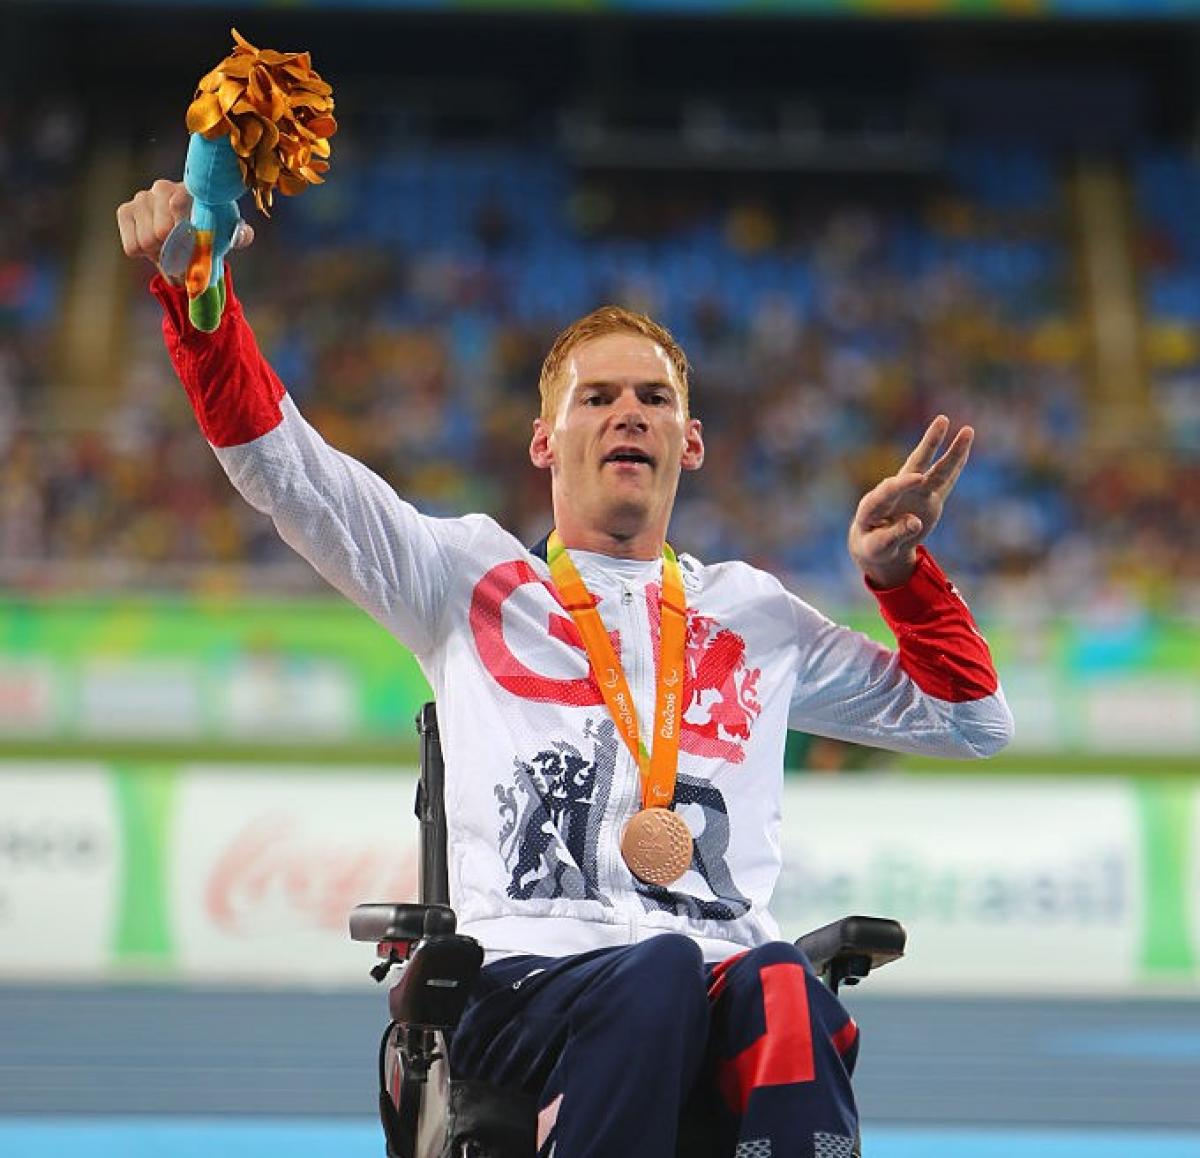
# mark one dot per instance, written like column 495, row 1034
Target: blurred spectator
column 408, row 303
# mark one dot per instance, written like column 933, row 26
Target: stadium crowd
column 39, row 146
column 407, row 305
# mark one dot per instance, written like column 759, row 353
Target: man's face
column 617, row 443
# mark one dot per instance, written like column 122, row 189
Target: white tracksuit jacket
column 538, row 784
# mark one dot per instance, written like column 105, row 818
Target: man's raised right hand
column 146, row 220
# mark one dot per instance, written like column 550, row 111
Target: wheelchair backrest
column 433, row 882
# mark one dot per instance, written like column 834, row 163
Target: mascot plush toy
column 260, row 121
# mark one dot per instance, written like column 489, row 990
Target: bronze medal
column 656, row 843
column 657, row 846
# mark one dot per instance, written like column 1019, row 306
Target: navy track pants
column 644, row 1051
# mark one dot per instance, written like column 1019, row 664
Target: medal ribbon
column 659, row 767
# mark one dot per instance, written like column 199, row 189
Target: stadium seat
column 424, row 1110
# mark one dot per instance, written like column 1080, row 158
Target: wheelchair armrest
column 437, row 980
column 401, row 922
column 847, row 950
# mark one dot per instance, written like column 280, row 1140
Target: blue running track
column 166, row 1072
column 202, row 1138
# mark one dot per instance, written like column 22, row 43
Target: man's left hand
column 894, row 517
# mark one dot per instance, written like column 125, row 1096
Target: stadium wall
column 200, row 873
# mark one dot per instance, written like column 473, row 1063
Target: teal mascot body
column 197, row 248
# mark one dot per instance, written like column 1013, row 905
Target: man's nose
column 630, row 414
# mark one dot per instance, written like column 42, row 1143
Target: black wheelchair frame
column 425, row 1112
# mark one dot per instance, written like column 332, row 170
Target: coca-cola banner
column 61, row 870
column 265, row 866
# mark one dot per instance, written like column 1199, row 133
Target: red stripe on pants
column 720, row 975
column 845, row 1037
column 784, row 1052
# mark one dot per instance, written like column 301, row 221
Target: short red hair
column 599, row 323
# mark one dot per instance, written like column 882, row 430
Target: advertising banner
column 199, row 673
column 1003, row 885
column 264, row 867
column 211, row 674
column 1140, row 714
column 247, row 874
column 27, row 705
column 61, row 869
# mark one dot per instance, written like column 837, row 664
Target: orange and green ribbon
column 659, row 766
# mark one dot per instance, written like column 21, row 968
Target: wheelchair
column 425, row 1111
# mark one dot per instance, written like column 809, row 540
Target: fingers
column 179, row 201
column 243, row 235
column 944, row 473
column 128, row 229
column 170, row 203
column 887, row 554
column 891, row 537
column 145, row 221
column 135, row 222
column 879, row 504
column 926, row 450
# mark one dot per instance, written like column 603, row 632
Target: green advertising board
column 315, row 679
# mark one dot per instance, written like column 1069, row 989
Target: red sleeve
column 940, row 646
column 233, row 391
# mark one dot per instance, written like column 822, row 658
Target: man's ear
column 540, row 452
column 693, row 446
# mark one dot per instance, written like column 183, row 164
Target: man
column 613, row 722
